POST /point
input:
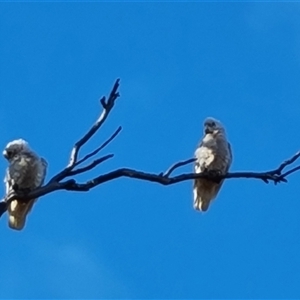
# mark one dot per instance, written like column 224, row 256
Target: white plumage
column 26, row 171
column 213, row 155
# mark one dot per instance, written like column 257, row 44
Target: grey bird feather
column 214, row 156
column 26, row 172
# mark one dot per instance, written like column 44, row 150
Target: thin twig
column 177, row 165
column 99, row 148
column 290, row 172
column 285, row 164
column 90, row 166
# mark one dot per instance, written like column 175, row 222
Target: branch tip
column 103, row 103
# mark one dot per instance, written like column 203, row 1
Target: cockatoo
column 212, row 156
column 26, row 172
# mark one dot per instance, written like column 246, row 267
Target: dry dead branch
column 60, row 181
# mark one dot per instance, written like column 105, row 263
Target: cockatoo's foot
column 20, row 191
column 10, row 195
column 17, row 192
column 214, row 174
column 15, row 186
column 24, row 191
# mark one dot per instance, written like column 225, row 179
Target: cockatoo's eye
column 210, row 123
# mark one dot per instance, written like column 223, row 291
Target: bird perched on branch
column 213, row 156
column 26, row 172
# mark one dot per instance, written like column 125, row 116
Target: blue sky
column 178, row 64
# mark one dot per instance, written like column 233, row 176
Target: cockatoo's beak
column 5, row 154
column 208, row 130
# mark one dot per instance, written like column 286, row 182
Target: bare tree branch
column 99, row 148
column 289, row 172
column 177, row 165
column 90, row 166
column 72, row 185
column 56, row 182
column 164, row 180
column 107, row 107
column 286, row 163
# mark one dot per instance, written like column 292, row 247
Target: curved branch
column 99, row 148
column 107, row 107
column 161, row 179
column 177, row 165
column 90, row 166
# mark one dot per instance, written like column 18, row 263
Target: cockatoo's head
column 15, row 147
column 213, row 126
